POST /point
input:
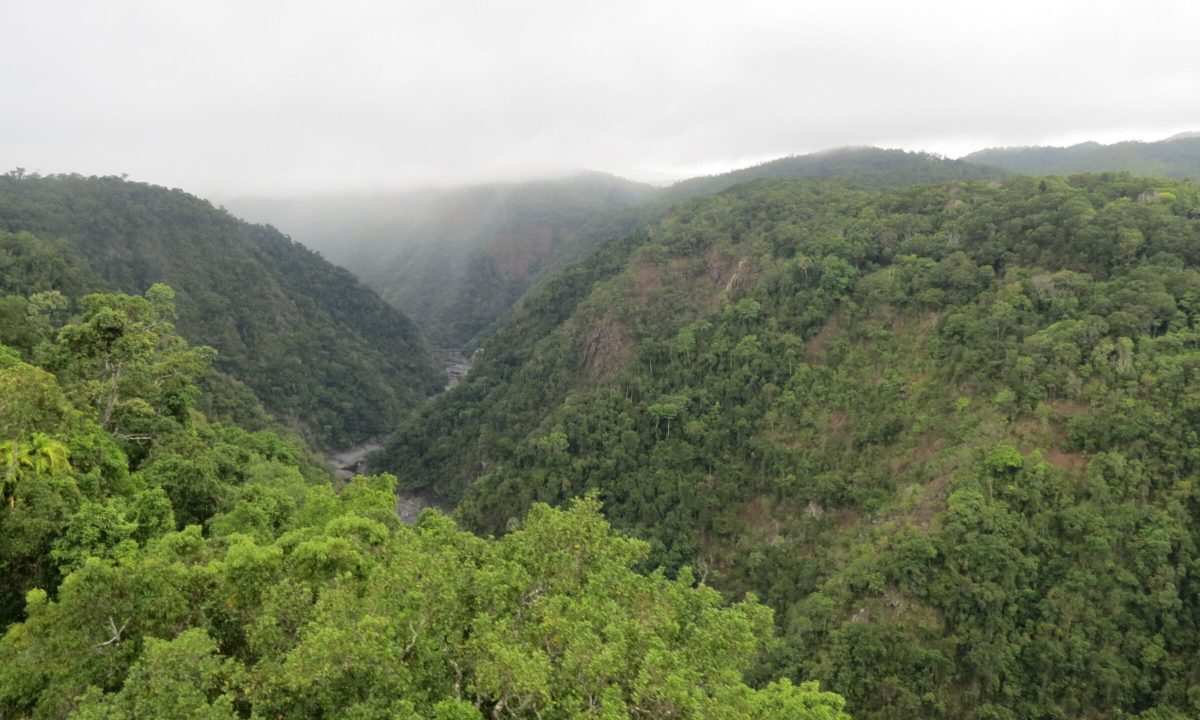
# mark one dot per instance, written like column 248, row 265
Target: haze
column 272, row 98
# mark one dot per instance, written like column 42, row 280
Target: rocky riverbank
column 457, row 365
column 352, row 461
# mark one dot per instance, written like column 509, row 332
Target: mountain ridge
column 318, row 347
column 1177, row 157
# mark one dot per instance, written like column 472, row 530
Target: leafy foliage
column 945, row 432
column 318, row 348
column 156, row 565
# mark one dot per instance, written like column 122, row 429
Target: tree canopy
column 318, row 348
column 156, row 564
column 944, row 432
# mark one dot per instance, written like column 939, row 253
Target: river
column 352, row 461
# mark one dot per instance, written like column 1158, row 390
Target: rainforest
column 896, row 438
column 464, row 360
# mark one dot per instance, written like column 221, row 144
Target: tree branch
column 116, row 633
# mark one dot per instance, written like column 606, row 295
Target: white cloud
column 223, row 97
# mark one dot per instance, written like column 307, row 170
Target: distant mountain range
column 864, row 167
column 457, row 261
column 1176, row 157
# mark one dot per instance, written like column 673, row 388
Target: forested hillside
column 154, row 564
column 457, row 260
column 946, row 433
column 322, row 351
column 1177, row 157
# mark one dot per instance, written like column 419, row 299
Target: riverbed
column 352, row 461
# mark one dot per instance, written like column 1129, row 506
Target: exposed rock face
column 348, row 463
column 606, row 349
column 457, row 366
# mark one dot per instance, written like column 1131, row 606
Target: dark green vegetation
column 947, row 433
column 1177, row 157
column 319, row 348
column 154, row 564
column 456, row 261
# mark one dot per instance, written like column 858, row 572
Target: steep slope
column 320, row 349
column 945, row 432
column 458, row 261
column 157, row 565
column 1177, row 157
column 454, row 261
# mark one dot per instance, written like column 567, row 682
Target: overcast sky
column 225, row 98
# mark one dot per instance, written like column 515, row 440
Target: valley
column 599, row 361
column 913, row 436
column 883, row 412
column 347, row 463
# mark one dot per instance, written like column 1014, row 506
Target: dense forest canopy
column 541, row 360
column 315, row 345
column 154, row 564
column 917, row 443
column 946, row 433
